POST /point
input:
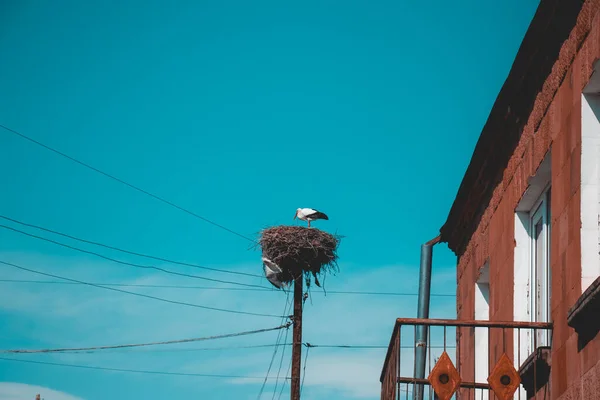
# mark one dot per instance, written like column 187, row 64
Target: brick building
column 525, row 225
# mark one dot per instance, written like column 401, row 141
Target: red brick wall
column 555, row 123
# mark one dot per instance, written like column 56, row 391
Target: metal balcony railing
column 475, row 360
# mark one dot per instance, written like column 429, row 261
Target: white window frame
column 540, row 275
column 534, row 204
column 482, row 313
column 590, row 180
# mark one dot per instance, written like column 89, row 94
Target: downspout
column 423, row 312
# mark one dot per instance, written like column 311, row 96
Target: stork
column 309, row 214
column 273, row 273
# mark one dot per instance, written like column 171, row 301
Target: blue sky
column 241, row 112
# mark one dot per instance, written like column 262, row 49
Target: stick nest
column 299, row 250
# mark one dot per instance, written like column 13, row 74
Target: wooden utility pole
column 297, row 340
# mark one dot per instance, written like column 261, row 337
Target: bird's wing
column 275, row 283
column 271, row 265
column 271, row 270
column 316, row 214
column 308, row 211
column 269, row 273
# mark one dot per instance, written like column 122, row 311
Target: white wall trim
column 522, row 282
column 482, row 313
column 521, row 297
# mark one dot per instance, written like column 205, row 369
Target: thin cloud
column 89, row 316
column 23, row 391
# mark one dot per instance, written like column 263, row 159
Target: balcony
column 476, row 360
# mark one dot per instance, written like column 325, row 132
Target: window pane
column 540, row 276
column 540, row 269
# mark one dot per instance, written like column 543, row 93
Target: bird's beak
column 295, row 215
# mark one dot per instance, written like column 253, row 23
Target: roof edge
column 550, row 27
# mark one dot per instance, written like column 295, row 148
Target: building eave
column 549, row 29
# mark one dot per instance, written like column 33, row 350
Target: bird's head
column 297, row 211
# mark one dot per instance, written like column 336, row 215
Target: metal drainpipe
column 423, row 312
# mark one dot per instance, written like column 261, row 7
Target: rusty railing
column 469, row 360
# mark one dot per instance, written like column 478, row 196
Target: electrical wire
column 390, row 293
column 137, row 371
column 131, row 345
column 262, row 387
column 125, row 262
column 282, row 356
column 286, row 380
column 140, row 294
column 291, row 358
column 345, row 346
column 257, row 346
column 183, row 350
column 308, row 346
column 124, row 250
column 277, row 343
column 261, row 289
column 284, row 344
column 121, row 181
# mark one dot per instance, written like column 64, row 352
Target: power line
column 261, row 289
column 126, row 251
column 140, row 294
column 277, row 343
column 282, row 352
column 347, row 346
column 280, row 363
column 121, row 181
column 185, row 350
column 359, row 346
column 308, row 346
column 389, row 293
column 257, row 346
column 262, row 387
column 137, row 371
column 123, row 346
column 287, row 374
column 125, row 262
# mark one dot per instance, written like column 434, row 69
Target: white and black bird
column 273, row 273
column 309, row 214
